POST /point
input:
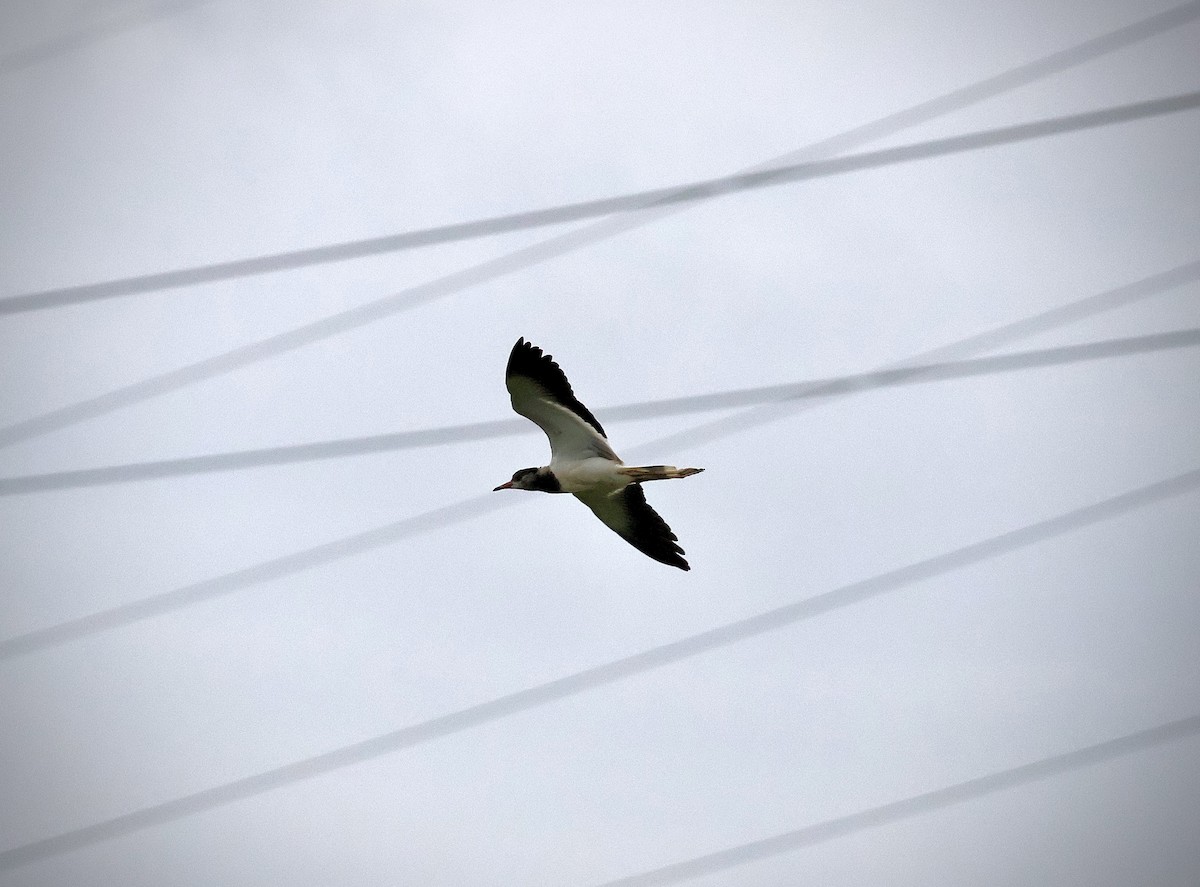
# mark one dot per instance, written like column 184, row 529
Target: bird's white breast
column 589, row 475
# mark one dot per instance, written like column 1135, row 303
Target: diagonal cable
column 805, row 170
column 20, row 59
column 307, row 334
column 990, row 87
column 598, row 676
column 918, row 805
column 907, row 374
column 227, row 583
column 559, row 245
column 208, row 589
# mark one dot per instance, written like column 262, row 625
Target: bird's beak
column 504, row 486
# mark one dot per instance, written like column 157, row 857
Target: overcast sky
column 221, row 130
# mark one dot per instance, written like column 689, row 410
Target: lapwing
column 582, row 462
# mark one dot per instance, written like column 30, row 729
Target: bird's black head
column 540, row 479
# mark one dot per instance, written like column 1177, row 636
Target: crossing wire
column 307, row 334
column 1081, row 757
column 21, row 59
column 909, row 374
column 958, row 99
column 208, row 589
column 598, row 676
column 707, row 189
column 918, row 805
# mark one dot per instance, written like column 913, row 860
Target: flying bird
column 581, row 461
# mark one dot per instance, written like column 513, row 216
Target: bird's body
column 582, row 462
column 592, row 475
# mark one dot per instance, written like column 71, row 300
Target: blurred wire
column 909, row 374
column 170, row 601
column 1007, row 81
column 178, row 808
column 597, row 676
column 208, row 589
column 590, row 209
column 370, row 312
column 91, row 33
column 64, row 417
column 930, row 802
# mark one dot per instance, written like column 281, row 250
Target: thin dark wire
column 207, row 589
column 324, row 328
column 909, row 374
column 1014, row 78
column 218, row 586
column 676, row 194
column 929, row 802
column 598, row 676
column 21, row 855
column 25, row 58
column 1007, row 81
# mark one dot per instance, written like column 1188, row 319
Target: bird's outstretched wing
column 541, row 393
column 628, row 515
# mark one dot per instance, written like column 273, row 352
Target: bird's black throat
column 545, row 481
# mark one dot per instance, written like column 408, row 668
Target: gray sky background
column 232, row 129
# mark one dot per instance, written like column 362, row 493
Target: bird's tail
column 644, row 473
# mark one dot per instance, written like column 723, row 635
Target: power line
column 879, row 128
column 924, row 112
column 275, row 568
column 369, row 540
column 14, row 858
column 263, row 457
column 598, row 676
column 307, row 334
column 757, row 417
column 929, row 802
column 30, row 56
column 678, row 194
column 559, row 245
column 908, row 374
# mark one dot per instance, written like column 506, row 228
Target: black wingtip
column 523, row 354
column 530, row 361
column 649, row 533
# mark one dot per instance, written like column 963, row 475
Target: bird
column 582, row 462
